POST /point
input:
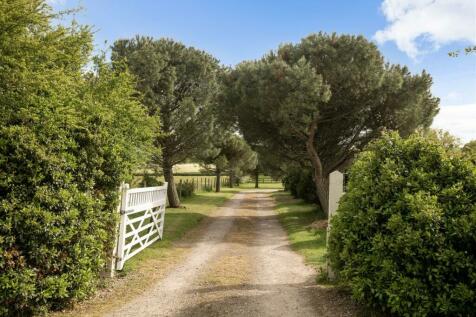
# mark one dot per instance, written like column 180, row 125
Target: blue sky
column 417, row 33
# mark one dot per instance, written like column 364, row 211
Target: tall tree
column 213, row 157
column 241, row 158
column 323, row 99
column 179, row 84
column 228, row 153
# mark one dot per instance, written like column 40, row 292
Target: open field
column 201, row 182
column 187, row 168
column 250, row 185
column 208, row 182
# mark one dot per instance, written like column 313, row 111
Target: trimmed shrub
column 289, row 182
column 67, row 140
column 404, row 236
column 299, row 182
column 185, row 189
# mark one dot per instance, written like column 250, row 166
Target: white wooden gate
column 142, row 220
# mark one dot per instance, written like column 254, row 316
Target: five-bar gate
column 142, row 220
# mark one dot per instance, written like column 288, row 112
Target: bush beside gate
column 68, row 137
column 404, row 236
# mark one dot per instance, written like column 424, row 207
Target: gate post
column 122, row 228
column 336, row 190
column 111, row 264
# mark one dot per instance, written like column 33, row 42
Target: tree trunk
column 320, row 179
column 322, row 191
column 231, row 179
column 218, row 181
column 172, row 194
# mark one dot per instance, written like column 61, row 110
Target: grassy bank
column 305, row 226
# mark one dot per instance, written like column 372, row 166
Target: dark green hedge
column 404, row 237
column 67, row 140
column 185, row 189
column 299, row 182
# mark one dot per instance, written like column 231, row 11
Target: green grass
column 187, row 168
column 179, row 221
column 277, row 185
column 296, row 216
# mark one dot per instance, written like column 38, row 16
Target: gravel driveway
column 241, row 266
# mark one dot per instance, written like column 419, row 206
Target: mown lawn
column 251, row 185
column 300, row 220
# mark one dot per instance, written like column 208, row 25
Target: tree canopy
column 320, row 101
column 228, row 153
column 179, row 84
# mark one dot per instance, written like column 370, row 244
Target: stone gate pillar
column 336, row 190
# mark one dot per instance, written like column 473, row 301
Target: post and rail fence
column 201, row 183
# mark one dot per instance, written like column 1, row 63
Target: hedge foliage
column 404, row 236
column 67, row 139
column 186, row 189
column 300, row 183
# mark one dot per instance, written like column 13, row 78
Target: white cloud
column 453, row 97
column 56, row 2
column 418, row 26
column 459, row 120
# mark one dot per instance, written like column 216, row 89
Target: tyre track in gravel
column 241, row 266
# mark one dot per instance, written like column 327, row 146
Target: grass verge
column 277, row 185
column 305, row 225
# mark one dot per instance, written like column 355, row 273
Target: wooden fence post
column 111, row 266
column 138, row 205
column 122, row 228
column 336, row 190
column 180, row 189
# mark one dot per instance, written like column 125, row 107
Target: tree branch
column 311, row 149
